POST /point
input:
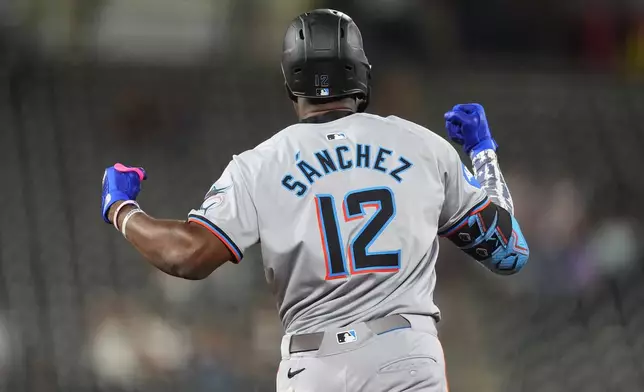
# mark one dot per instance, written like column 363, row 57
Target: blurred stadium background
column 180, row 86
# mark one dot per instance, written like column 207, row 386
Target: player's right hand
column 467, row 125
column 120, row 182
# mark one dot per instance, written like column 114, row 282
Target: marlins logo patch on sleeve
column 214, row 197
column 216, row 191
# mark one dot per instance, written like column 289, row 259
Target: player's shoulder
column 438, row 147
column 265, row 152
column 417, row 130
column 273, row 145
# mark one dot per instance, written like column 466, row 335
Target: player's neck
column 306, row 110
column 315, row 113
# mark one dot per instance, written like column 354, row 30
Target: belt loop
column 422, row 323
column 388, row 324
column 285, row 347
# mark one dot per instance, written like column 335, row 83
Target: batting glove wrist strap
column 488, row 144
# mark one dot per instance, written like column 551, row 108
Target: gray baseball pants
column 363, row 359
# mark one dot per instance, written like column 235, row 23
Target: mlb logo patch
column 336, row 136
column 346, row 337
column 322, row 92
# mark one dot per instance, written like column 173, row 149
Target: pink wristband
column 118, row 210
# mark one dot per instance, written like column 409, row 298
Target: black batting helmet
column 324, row 58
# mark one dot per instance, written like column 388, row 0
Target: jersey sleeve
column 229, row 213
column 463, row 193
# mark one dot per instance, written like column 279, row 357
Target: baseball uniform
column 347, row 208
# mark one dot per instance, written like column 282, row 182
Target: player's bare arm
column 179, row 248
column 489, row 232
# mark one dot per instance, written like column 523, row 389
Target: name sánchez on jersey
column 343, row 158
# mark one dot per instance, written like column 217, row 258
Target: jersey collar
column 327, row 117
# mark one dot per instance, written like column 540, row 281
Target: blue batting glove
column 467, row 125
column 120, row 182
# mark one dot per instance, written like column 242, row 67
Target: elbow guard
column 492, row 236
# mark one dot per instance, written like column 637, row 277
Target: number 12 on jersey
column 360, row 260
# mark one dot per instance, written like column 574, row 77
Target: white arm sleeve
column 488, row 174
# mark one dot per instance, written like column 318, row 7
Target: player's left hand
column 467, row 125
column 120, row 182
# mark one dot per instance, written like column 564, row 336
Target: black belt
column 312, row 341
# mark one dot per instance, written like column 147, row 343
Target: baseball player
column 348, row 208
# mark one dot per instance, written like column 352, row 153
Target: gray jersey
column 347, row 214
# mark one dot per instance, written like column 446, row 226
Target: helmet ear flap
column 290, row 93
column 363, row 102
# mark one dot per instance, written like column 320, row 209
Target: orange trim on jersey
column 465, row 219
column 221, row 238
column 455, row 228
column 374, row 271
column 344, row 213
column 347, row 219
column 481, row 208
